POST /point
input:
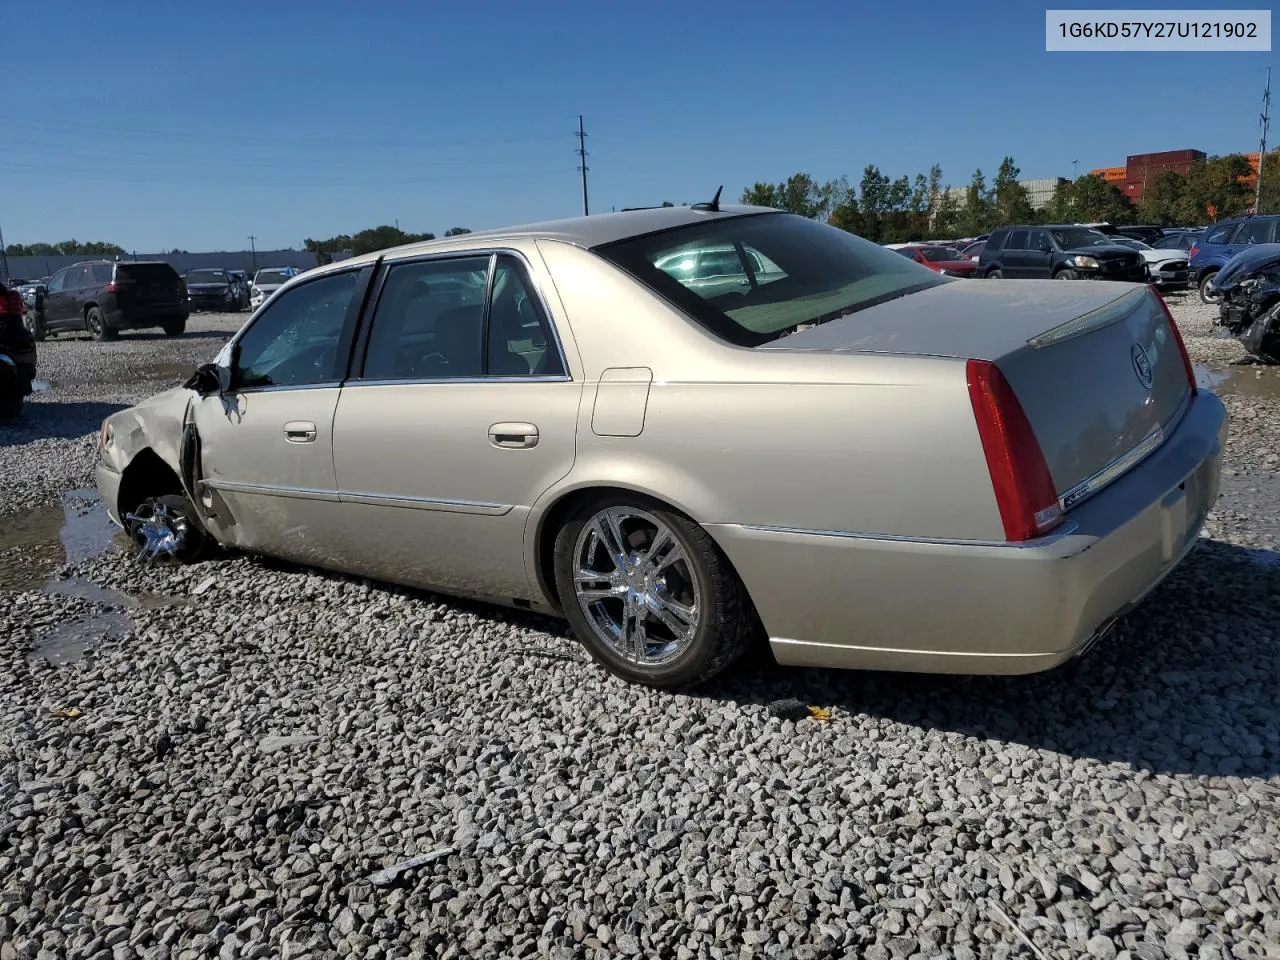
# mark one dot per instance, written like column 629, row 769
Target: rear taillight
column 1192, row 250
column 113, row 287
column 1024, row 489
column 11, row 304
column 1177, row 338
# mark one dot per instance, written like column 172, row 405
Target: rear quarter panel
column 856, row 443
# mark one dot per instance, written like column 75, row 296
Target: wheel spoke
column 682, row 621
column 608, row 533
column 635, row 640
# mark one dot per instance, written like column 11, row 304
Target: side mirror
column 207, row 380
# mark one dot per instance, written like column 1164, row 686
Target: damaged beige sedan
column 685, row 428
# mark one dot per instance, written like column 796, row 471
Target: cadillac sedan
column 818, row 442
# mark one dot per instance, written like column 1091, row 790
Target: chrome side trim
column 1059, row 534
column 271, row 490
column 426, row 503
column 1113, row 471
column 285, row 387
column 432, row 380
column 373, row 499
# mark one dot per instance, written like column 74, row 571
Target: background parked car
column 1060, row 252
column 1223, row 241
column 1249, row 289
column 1165, row 268
column 105, row 297
column 17, row 354
column 973, row 250
column 947, row 261
column 267, row 281
column 212, row 288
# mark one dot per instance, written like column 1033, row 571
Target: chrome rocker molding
column 372, row 499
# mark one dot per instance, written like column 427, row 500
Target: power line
column 1262, row 148
column 582, row 162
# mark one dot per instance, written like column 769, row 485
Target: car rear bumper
column 865, row 602
column 148, row 315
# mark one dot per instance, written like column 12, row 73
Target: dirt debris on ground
column 1124, row 807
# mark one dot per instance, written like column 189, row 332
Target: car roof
column 590, row 231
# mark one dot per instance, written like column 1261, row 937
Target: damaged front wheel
column 166, row 527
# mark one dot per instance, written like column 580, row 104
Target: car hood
column 1162, row 256
column 1245, row 264
column 1101, row 249
column 959, row 319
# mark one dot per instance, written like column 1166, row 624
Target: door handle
column 300, row 431
column 513, row 436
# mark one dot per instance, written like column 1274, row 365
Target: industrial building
column 1141, row 168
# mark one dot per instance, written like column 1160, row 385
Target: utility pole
column 582, row 162
column 1074, row 172
column 4, row 257
column 253, row 253
column 1262, row 147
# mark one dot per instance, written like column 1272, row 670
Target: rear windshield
column 146, row 272
column 755, row 278
column 206, row 276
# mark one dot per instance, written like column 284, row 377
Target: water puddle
column 1240, row 380
column 35, row 544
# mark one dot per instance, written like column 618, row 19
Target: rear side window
column 1017, row 240
column 100, row 273
column 1219, row 233
column 995, row 242
column 1255, row 231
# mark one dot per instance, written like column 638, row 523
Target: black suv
column 1058, row 251
column 105, row 297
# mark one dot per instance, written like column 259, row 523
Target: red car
column 944, row 260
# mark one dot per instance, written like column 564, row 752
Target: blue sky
column 161, row 125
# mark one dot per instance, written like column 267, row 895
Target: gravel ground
column 253, row 743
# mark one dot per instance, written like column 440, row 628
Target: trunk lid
column 1095, row 365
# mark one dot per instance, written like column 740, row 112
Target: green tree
column 1269, row 200
column 1099, row 201
column 1012, row 204
column 874, row 202
column 1162, row 198
column 94, row 248
column 846, row 214
column 1215, row 190
column 762, row 195
column 667, row 203
column 975, row 216
column 1061, row 206
column 934, row 189
column 456, row 231
column 946, row 214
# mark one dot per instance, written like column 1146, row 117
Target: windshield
column 767, row 274
column 271, row 276
column 940, row 254
column 206, row 276
column 1074, row 237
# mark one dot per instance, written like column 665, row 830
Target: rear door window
column 1220, row 233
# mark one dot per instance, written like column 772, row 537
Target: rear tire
column 10, row 393
column 670, row 612
column 35, row 324
column 174, row 328
column 1206, row 296
column 167, row 528
column 996, row 274
column 1067, row 274
column 96, row 324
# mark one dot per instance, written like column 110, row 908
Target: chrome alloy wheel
column 157, row 530
column 636, row 586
